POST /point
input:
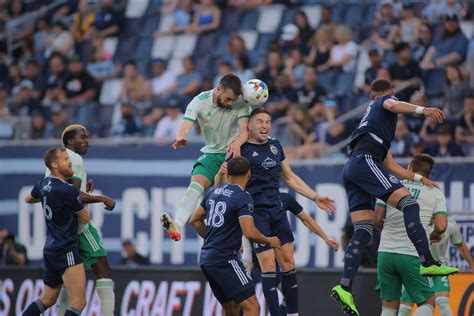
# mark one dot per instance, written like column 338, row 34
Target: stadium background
column 121, row 99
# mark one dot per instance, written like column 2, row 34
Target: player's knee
column 102, row 268
column 251, row 305
column 267, row 262
column 48, row 301
column 79, row 301
column 366, row 226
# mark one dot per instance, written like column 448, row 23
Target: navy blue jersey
column 378, row 124
column 224, row 205
column 60, row 201
column 289, row 203
column 265, row 166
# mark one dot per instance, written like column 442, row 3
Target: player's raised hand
column 274, row 242
column 436, row 114
column 109, row 203
column 90, row 186
column 332, row 243
column 428, row 182
column 180, row 142
column 325, row 203
column 233, row 150
column 223, row 168
column 434, row 237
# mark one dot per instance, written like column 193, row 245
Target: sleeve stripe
column 243, row 116
column 75, row 178
column 440, row 212
column 380, row 204
column 188, row 119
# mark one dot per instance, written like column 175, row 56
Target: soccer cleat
column 171, row 227
column 437, row 269
column 345, row 299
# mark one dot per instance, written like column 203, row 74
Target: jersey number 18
column 216, row 214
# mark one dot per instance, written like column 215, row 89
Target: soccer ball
column 255, row 92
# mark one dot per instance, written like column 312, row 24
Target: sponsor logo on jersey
column 268, row 163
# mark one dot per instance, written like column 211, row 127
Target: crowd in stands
column 317, row 58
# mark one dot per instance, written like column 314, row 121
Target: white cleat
column 171, row 226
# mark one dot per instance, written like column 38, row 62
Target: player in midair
column 223, row 118
column 62, row 209
column 75, row 139
column 268, row 166
column 398, row 261
column 441, row 283
column 227, row 210
column 366, row 175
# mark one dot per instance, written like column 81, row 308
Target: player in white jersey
column 398, row 261
column 76, row 140
column 441, row 283
column 223, row 117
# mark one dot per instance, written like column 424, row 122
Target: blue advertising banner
column 147, row 180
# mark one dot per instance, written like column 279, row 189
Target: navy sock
column 270, row 292
column 283, row 307
column 35, row 308
column 289, row 286
column 414, row 228
column 355, row 251
column 71, row 311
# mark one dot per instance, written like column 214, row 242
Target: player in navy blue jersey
column 268, row 166
column 372, row 172
column 227, row 211
column 62, row 209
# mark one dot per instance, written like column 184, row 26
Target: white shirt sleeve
column 77, row 166
column 440, row 205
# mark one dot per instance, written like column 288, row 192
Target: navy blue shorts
column 364, row 179
column 272, row 222
column 229, row 281
column 55, row 263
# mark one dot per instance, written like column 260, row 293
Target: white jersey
column 394, row 237
column 453, row 235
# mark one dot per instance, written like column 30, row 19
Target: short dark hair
column 443, row 129
column 70, row 132
column 258, row 111
column 231, row 81
column 51, row 155
column 422, row 163
column 401, row 46
column 238, row 166
column 380, row 85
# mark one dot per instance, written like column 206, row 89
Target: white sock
column 443, row 305
column 404, row 310
column 187, row 205
column 388, row 311
column 105, row 290
column 424, row 310
column 63, row 301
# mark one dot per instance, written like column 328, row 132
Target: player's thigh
column 389, row 283
column 266, row 260
column 212, row 279
column 285, row 257
column 231, row 309
column 50, row 295
column 418, row 287
column 92, row 248
column 441, row 285
column 397, row 195
column 250, row 306
column 207, row 166
column 262, row 222
column 280, row 226
column 360, row 201
column 74, row 279
column 202, row 180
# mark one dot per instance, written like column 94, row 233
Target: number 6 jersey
column 224, row 205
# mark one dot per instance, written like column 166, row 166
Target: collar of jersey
column 268, row 139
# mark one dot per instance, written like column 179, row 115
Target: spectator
column 31, row 72
column 383, row 73
column 273, row 69
column 134, row 86
column 100, row 64
column 242, row 67
column 247, row 4
column 449, row 45
column 343, row 53
column 39, row 126
column 384, row 28
column 181, row 18
column 162, row 80
column 11, row 252
column 418, row 147
column 326, row 20
column 415, row 122
column 83, row 22
column 187, row 84
column 279, row 101
column 55, row 78
column 320, row 51
column 290, row 38
column 59, row 121
column 14, row 75
column 405, row 68
column 132, row 257
column 434, row 11
column 150, row 119
column 409, row 25
column 63, row 41
column 465, row 126
column 107, row 20
column 403, row 140
column 455, row 91
column 294, row 68
column 4, row 111
column 428, row 131
column 167, row 128
column 224, row 68
column 312, row 93
column 236, row 49
column 444, row 145
column 301, row 21
column 24, row 102
column 424, row 42
column 207, row 17
column 371, row 72
column 130, row 123
column 43, row 37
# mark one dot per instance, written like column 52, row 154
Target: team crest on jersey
column 273, row 149
column 250, row 206
column 393, row 179
column 268, row 163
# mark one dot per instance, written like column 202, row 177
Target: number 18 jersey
column 224, row 205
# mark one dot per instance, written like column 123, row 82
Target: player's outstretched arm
column 233, row 149
column 313, row 226
column 197, row 221
column 31, row 200
column 182, row 136
column 90, row 199
column 403, row 173
column 298, row 185
column 251, row 232
column 440, row 225
column 466, row 254
column 401, row 107
column 83, row 216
